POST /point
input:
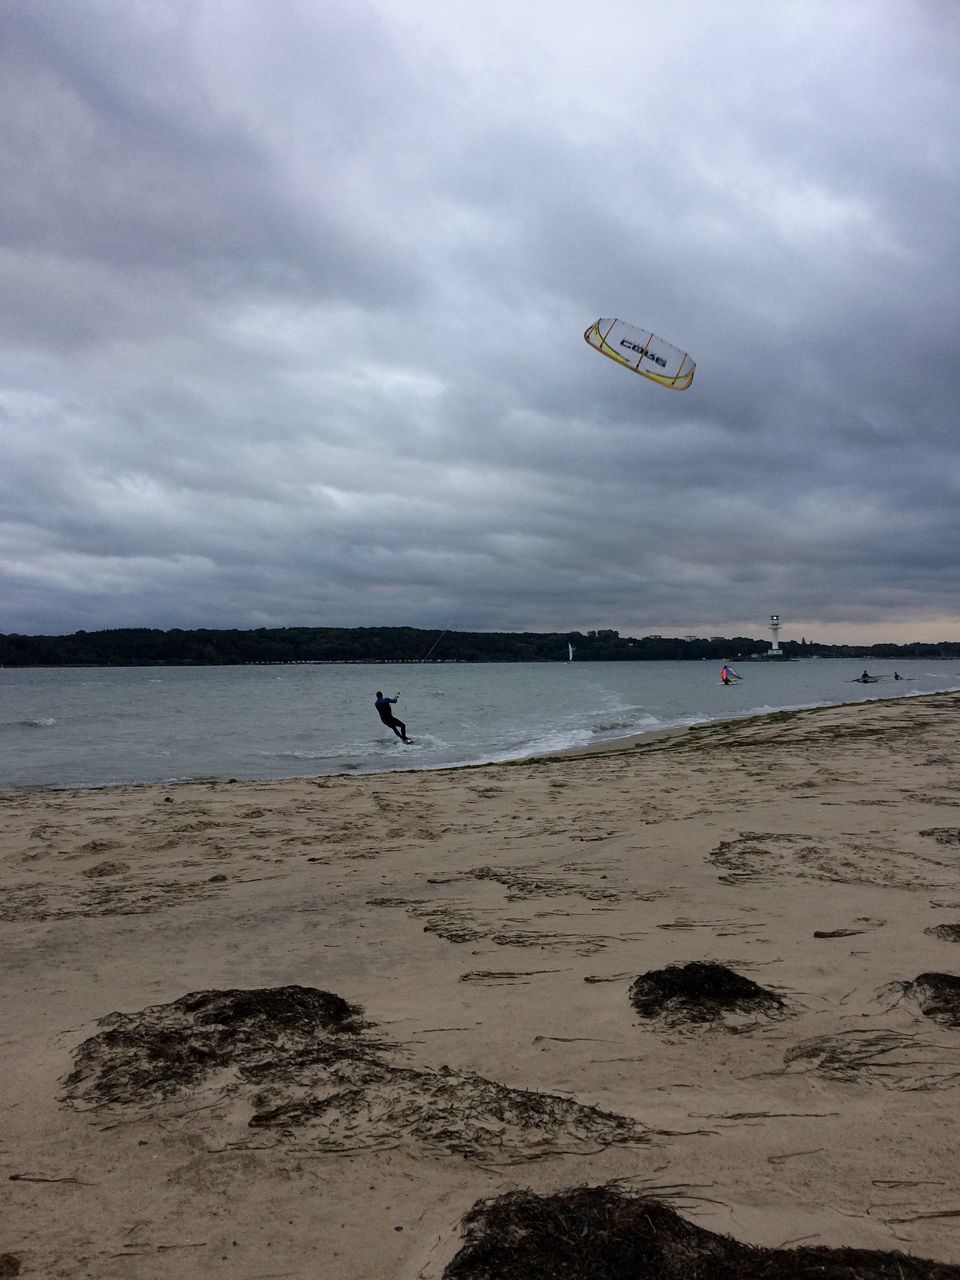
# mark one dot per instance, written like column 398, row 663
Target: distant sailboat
column 569, row 652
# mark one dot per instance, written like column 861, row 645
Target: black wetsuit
column 389, row 719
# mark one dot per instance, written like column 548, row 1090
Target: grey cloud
column 291, row 303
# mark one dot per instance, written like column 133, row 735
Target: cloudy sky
column 292, row 296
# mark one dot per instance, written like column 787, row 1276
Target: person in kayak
column 389, row 719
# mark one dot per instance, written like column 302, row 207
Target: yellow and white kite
column 642, row 352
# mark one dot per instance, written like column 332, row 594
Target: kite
column 642, row 352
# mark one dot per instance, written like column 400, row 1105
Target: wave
column 543, row 744
column 298, row 755
column 627, row 724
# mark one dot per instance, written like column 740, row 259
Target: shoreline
column 490, row 922
column 606, row 746
column 647, row 737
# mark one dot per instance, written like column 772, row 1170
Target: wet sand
column 484, row 927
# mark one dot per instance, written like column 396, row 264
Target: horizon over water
column 102, row 726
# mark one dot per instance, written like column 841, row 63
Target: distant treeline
column 143, row 646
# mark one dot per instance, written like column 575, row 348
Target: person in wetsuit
column 389, row 719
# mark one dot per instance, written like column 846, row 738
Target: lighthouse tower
column 776, row 651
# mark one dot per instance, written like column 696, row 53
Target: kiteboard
column 642, row 352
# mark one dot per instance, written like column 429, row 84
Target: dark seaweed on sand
column 939, row 997
column 443, row 1112
column 946, row 932
column 168, row 1047
column 702, row 991
column 891, row 1059
column 310, row 1068
column 601, row 1233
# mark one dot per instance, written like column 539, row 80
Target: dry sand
column 489, row 922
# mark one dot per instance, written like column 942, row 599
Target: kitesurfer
column 866, row 678
column 897, row 675
column 389, row 719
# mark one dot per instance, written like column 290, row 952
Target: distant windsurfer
column 728, row 675
column 389, row 719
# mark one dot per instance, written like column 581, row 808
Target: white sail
column 642, row 352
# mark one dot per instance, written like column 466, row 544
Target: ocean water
column 90, row 726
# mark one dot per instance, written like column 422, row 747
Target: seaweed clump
column 945, row 932
column 589, row 1232
column 370, row 1105
column 166, row 1048
column 938, row 995
column 307, row 1066
column 700, row 992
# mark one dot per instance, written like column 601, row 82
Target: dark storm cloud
column 291, row 300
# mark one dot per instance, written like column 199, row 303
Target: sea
column 104, row 726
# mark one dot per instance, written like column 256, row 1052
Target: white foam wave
column 626, row 725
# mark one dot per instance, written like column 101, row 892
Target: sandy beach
column 479, row 934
